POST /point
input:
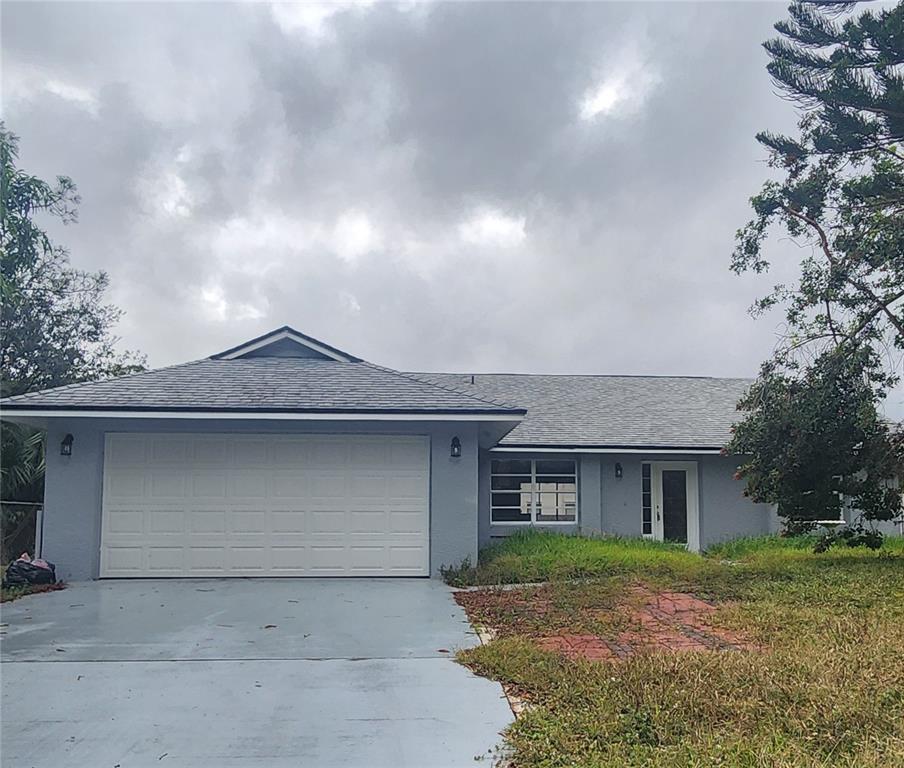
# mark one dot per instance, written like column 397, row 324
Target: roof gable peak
column 286, row 342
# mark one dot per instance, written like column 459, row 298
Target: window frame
column 535, row 493
column 646, row 507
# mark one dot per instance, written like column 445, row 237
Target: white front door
column 676, row 502
column 265, row 505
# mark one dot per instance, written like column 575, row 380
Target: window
column 646, row 501
column 526, row 491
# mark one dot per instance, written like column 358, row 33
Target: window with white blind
column 533, row 491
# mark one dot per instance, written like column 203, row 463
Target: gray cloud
column 415, row 183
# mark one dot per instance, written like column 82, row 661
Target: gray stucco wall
column 74, row 484
column 610, row 505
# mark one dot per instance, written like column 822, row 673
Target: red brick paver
column 673, row 621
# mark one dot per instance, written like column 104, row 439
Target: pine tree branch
column 826, row 248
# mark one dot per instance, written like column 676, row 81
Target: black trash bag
column 21, row 573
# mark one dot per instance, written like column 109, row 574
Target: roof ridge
column 587, row 375
column 74, row 384
column 414, row 377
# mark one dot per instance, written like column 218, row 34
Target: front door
column 675, row 511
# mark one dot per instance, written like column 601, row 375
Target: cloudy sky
column 469, row 187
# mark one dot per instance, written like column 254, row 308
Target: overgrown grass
column 826, row 687
column 842, row 706
column 534, row 556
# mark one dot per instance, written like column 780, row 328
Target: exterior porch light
column 455, row 452
column 66, row 446
column 618, row 470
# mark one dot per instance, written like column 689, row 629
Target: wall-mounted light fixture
column 455, row 452
column 66, row 446
column 618, row 470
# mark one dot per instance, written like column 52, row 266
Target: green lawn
column 825, row 688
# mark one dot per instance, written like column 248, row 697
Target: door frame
column 692, row 488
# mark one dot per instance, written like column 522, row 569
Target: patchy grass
column 825, row 689
column 550, row 608
column 8, row 594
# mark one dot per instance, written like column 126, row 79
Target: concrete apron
column 241, row 672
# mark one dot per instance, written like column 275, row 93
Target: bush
column 850, row 535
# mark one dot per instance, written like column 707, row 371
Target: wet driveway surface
column 243, row 672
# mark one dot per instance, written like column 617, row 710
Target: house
column 284, row 456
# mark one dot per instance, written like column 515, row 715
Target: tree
column 842, row 193
column 815, row 439
column 812, row 427
column 56, row 327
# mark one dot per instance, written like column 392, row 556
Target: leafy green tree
column 812, row 428
column 56, row 327
column 815, row 439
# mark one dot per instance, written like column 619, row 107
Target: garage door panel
column 367, row 557
column 405, row 558
column 328, row 486
column 405, row 487
column 287, row 484
column 126, row 521
column 163, row 560
column 406, row 522
column 327, row 522
column 206, row 558
column 168, row 450
column 165, row 521
column 327, row 453
column 167, row 484
column 290, row 453
column 406, row 454
column 220, row 505
column 248, row 484
column 368, row 522
column 126, row 484
column 250, row 558
column 287, row 558
column 210, row 450
column 207, row 521
column 369, row 454
column 368, row 486
column 126, row 560
column 252, row 452
column 249, row 522
column 327, row 557
column 125, row 450
column 284, row 521
column 208, row 484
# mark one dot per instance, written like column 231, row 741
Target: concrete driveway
column 241, row 672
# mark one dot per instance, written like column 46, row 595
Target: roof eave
column 22, row 410
column 565, row 448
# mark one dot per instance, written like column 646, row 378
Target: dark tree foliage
column 838, row 191
column 814, row 438
column 56, row 326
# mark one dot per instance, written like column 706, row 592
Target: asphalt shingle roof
column 611, row 411
column 264, row 384
column 562, row 410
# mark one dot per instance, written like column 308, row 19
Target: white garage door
column 265, row 505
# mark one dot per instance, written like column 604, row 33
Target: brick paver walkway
column 673, row 621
